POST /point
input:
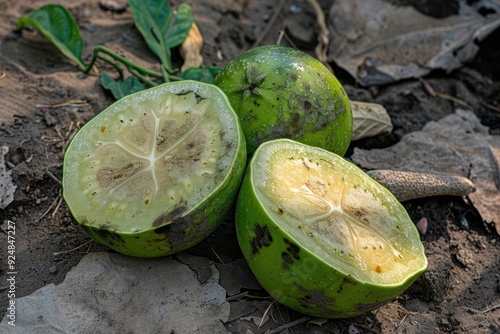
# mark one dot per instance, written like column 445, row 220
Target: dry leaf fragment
column 318, row 321
column 379, row 43
column 191, row 49
column 7, row 186
column 369, row 119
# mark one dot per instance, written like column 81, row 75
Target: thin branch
column 53, row 177
column 366, row 328
column 289, row 325
column 490, row 106
column 262, row 320
column 491, row 309
column 269, row 24
column 74, row 249
column 50, row 208
column 57, row 206
column 321, row 49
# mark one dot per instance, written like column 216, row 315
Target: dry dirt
column 45, row 98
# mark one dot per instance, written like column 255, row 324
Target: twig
column 403, row 309
column 265, row 315
column 53, row 177
column 90, row 246
column 404, row 317
column 289, row 325
column 366, row 328
column 56, row 127
column 238, row 296
column 50, row 208
column 490, row 106
column 64, row 103
column 428, row 88
column 217, row 256
column 24, row 141
column 70, row 128
column 50, row 140
column 322, row 48
column 74, row 249
column 57, row 206
column 280, row 37
column 283, row 34
column 269, row 24
column 246, row 294
column 491, row 309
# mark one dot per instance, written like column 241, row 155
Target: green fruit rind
column 280, row 92
column 134, row 218
column 285, row 254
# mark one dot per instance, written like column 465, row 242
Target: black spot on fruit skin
column 314, row 299
column 104, row 232
column 286, row 257
column 198, row 97
column 110, row 236
column 167, row 217
column 263, row 238
column 369, row 307
column 294, row 252
column 176, row 232
column 292, row 249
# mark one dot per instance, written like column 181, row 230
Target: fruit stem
column 123, row 60
column 141, row 77
column 112, row 63
column 136, row 70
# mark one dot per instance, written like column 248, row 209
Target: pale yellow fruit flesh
column 338, row 213
column 159, row 154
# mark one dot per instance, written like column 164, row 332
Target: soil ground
column 45, row 98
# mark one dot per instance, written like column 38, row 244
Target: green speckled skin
column 295, row 276
column 280, row 92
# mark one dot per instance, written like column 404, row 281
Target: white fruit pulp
column 150, row 156
column 337, row 212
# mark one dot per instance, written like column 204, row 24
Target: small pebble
column 53, row 270
column 422, row 225
column 86, row 12
column 465, row 257
column 117, row 6
column 353, row 330
column 49, row 119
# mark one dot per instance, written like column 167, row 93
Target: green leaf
column 57, row 24
column 120, row 88
column 202, row 73
column 161, row 28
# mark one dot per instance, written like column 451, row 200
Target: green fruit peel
column 157, row 171
column 280, row 92
column 320, row 235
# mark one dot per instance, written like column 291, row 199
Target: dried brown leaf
column 369, row 119
column 378, row 42
column 190, row 49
